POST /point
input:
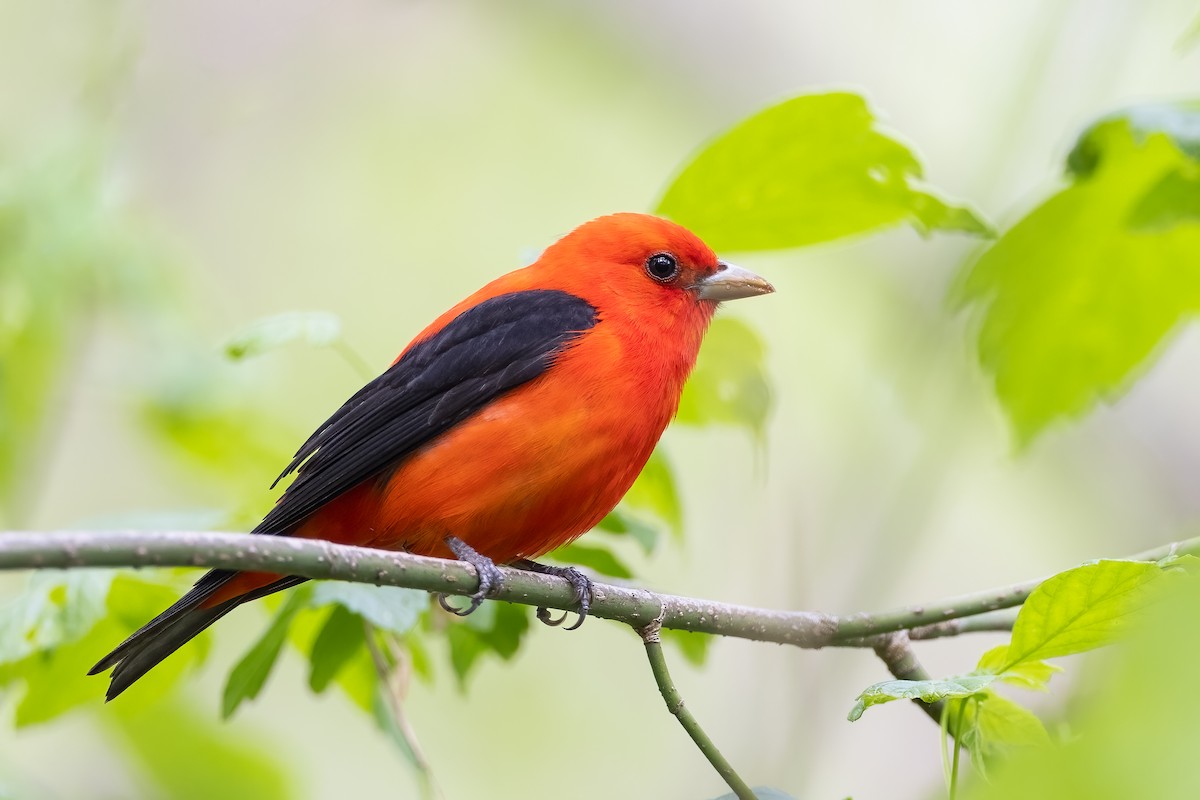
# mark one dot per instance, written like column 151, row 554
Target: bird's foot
column 490, row 578
column 581, row 585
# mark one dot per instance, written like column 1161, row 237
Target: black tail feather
column 174, row 627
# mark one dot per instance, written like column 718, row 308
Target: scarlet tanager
column 511, row 425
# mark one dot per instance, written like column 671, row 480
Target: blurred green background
column 379, row 160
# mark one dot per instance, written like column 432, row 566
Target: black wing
column 482, row 353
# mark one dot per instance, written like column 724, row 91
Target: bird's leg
column 490, row 579
column 580, row 583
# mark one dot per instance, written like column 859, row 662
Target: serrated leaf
column 811, row 169
column 929, row 691
column 1079, row 297
column 250, row 674
column 1080, row 609
column 654, row 493
column 389, row 608
column 729, row 384
column 598, row 559
column 340, row 639
column 315, row 328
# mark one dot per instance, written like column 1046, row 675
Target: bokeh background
column 380, row 160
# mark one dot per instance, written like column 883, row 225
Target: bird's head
column 649, row 260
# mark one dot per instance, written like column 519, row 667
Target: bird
column 508, row 427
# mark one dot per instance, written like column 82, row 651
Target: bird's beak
column 730, row 283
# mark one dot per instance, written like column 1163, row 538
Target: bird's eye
column 662, row 267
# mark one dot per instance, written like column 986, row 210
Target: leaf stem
column 675, row 704
column 960, row 707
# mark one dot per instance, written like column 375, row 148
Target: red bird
column 507, row 428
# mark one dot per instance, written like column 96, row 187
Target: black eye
column 662, row 267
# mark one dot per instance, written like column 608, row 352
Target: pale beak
column 730, row 283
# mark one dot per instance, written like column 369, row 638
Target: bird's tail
column 179, row 624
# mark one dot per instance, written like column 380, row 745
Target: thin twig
column 392, row 680
column 976, row 603
column 674, row 701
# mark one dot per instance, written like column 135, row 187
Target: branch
column 312, row 558
column 674, row 701
column 636, row 607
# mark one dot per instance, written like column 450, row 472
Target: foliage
column 1135, row 732
column 1079, row 297
column 808, row 170
column 1075, row 611
column 1074, row 302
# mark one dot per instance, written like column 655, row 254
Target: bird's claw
column 490, row 577
column 581, row 586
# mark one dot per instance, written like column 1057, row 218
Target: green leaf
column 494, row 628
column 929, row 691
column 654, row 492
column 189, row 757
column 1178, row 121
column 54, row 680
column 1134, row 733
column 389, row 608
column 599, row 559
column 992, row 727
column 1078, row 298
column 622, row 522
column 1077, row 610
column 250, row 674
column 63, row 623
column 340, row 639
column 729, row 384
column 693, row 646
column 811, row 169
column 56, row 608
column 1034, row 675
column 315, row 328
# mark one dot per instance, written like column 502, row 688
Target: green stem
column 960, row 707
column 969, row 605
column 674, row 701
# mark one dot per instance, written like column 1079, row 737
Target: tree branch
column 636, row 607
column 319, row 559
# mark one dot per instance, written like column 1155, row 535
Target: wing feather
column 484, row 352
